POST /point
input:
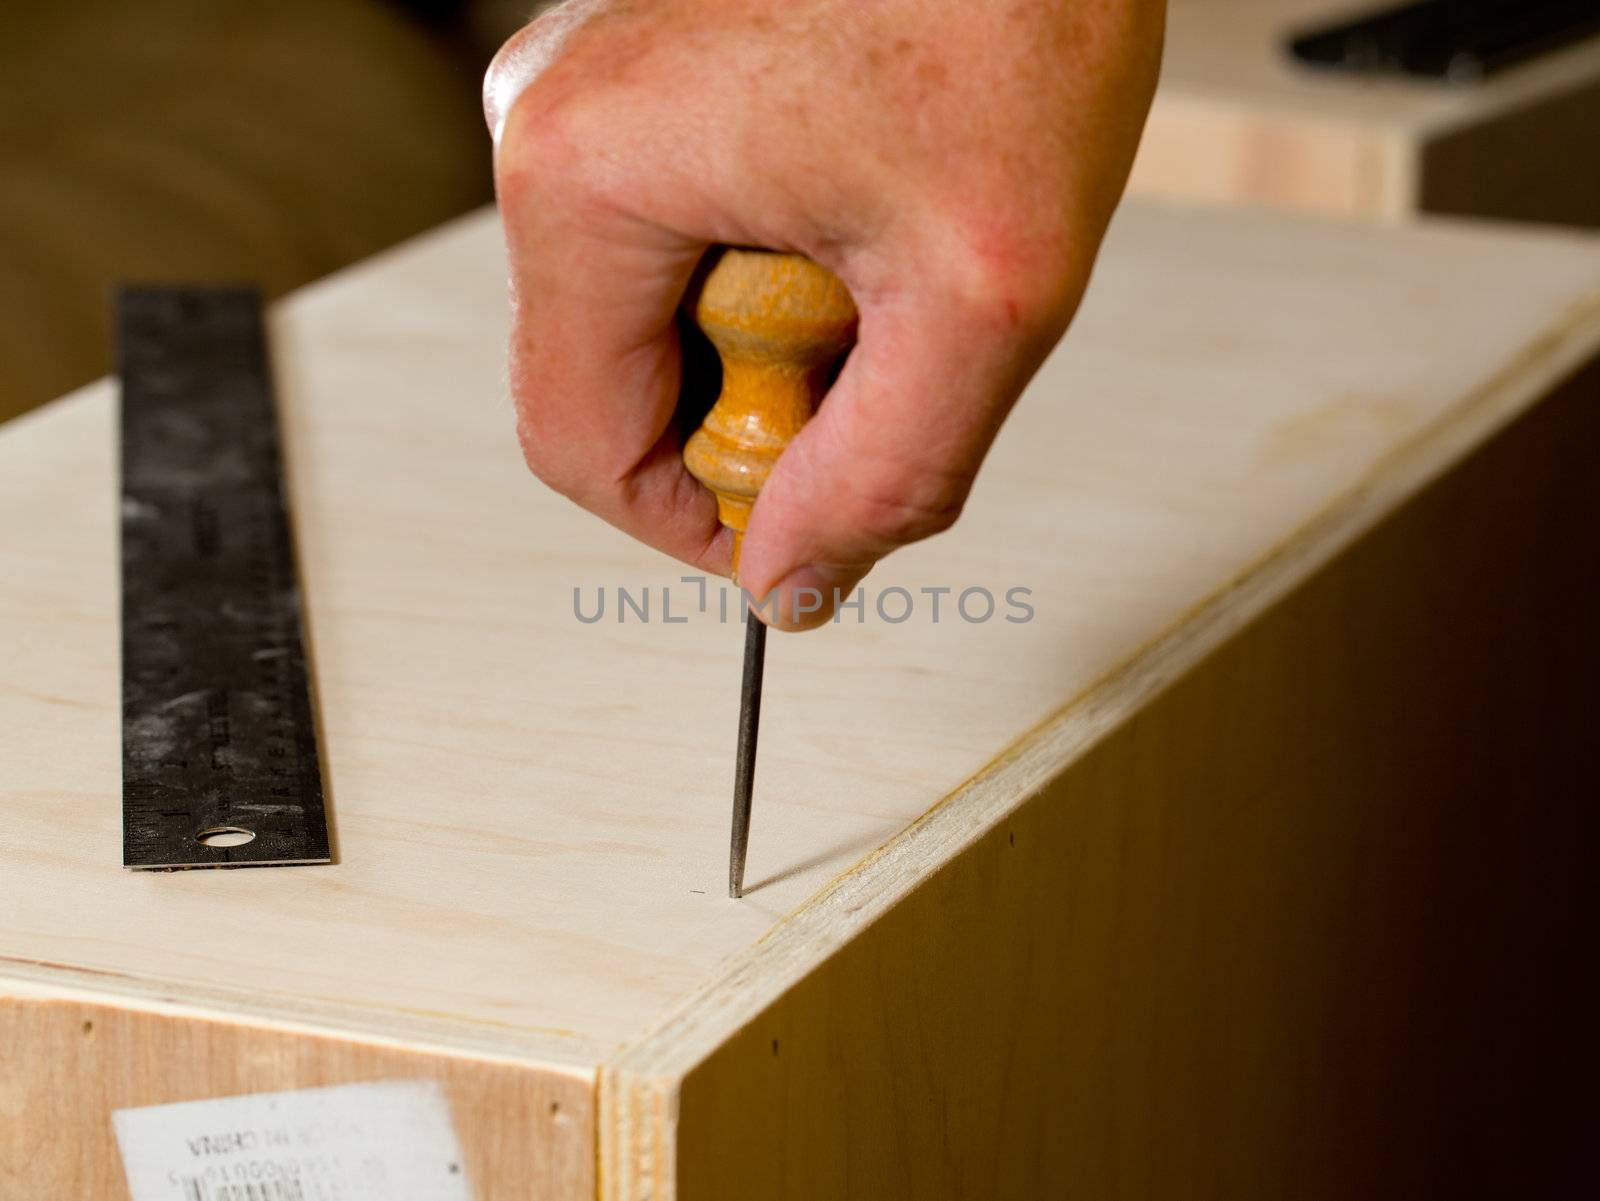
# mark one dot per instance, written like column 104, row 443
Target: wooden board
column 1304, row 926
column 73, row 1058
column 1202, row 492
column 1236, row 120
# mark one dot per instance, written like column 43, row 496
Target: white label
column 391, row 1141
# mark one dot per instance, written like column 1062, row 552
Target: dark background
column 265, row 140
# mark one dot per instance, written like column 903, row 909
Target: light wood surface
column 1303, row 927
column 530, row 811
column 72, row 1059
column 1236, row 120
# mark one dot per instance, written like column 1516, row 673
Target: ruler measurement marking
column 218, row 727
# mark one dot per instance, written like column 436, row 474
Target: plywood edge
column 441, row 1034
column 639, row 1089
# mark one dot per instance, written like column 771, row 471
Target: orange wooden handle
column 780, row 324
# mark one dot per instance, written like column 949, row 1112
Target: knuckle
column 1017, row 280
column 537, row 452
column 554, row 116
column 528, row 56
column 542, row 146
column 544, row 455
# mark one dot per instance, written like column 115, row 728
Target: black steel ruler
column 219, row 741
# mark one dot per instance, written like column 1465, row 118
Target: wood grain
column 66, row 1065
column 1301, row 926
column 531, row 809
column 1236, row 121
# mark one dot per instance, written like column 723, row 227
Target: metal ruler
column 219, row 740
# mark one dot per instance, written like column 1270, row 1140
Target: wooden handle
column 780, row 324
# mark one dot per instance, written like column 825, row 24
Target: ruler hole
column 225, row 836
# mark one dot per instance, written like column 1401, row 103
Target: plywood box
column 1237, row 121
column 1250, row 866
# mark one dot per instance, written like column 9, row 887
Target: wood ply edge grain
column 638, row 1090
column 635, row 1118
column 315, row 1017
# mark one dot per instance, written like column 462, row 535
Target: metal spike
column 744, row 772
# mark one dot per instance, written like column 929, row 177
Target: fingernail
column 808, row 596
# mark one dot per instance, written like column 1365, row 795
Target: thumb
column 888, row 459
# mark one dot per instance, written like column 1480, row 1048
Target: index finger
column 596, row 362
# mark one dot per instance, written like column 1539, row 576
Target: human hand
column 955, row 164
